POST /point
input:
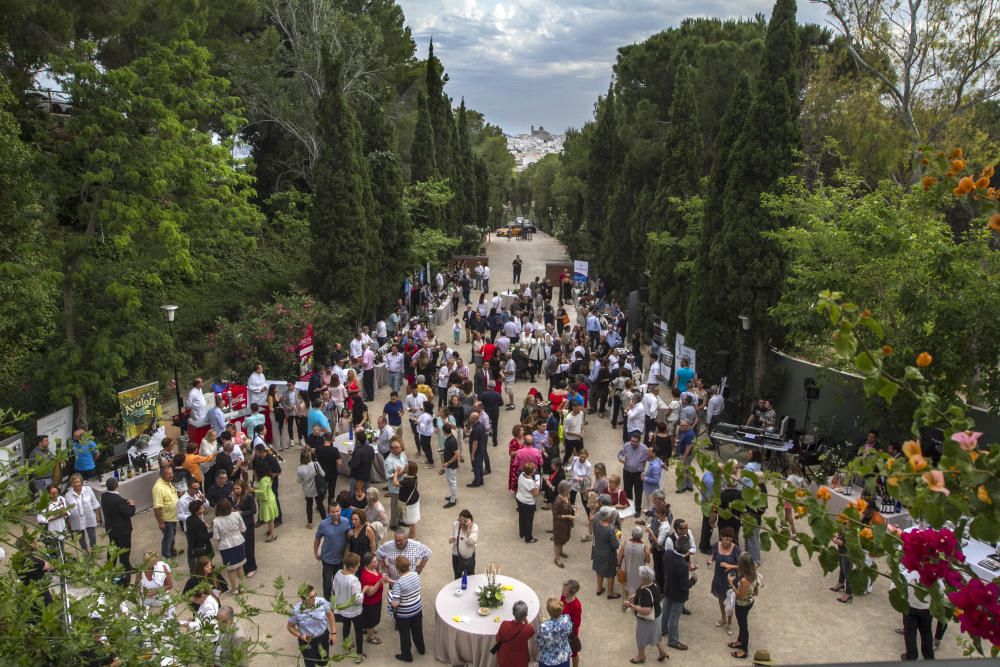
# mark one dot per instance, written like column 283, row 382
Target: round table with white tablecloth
column 468, row 641
column 345, row 445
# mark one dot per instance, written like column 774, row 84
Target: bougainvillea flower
column 930, row 553
column 967, row 440
column 980, row 609
column 918, row 463
column 911, row 448
column 935, row 482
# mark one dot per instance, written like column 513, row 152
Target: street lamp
column 745, row 321
column 170, row 312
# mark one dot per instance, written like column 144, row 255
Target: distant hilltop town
column 530, row 148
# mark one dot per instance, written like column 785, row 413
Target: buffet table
column 139, row 488
column 467, row 641
column 442, row 313
column 840, row 500
column 346, row 447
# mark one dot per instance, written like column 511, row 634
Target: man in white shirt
column 651, row 403
column 635, row 416
column 196, row 402
column 193, row 493
column 497, row 302
column 654, row 372
column 444, row 372
column 716, row 404
column 486, row 278
column 338, row 370
column 503, row 344
column 439, row 281
column 381, row 332
column 356, row 348
column 257, row 386
column 368, row 372
column 414, row 405
column 394, row 364
column 479, row 276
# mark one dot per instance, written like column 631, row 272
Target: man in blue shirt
column 86, row 455
column 684, row 375
column 216, row 417
column 393, row 411
column 329, row 545
column 316, row 417
column 253, row 421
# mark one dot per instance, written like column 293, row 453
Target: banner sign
column 141, row 412
column 305, row 350
column 58, row 426
column 682, row 351
column 581, row 271
column 11, row 455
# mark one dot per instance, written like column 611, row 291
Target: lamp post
column 170, row 312
column 745, row 324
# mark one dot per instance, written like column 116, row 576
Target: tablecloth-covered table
column 507, row 298
column 442, row 313
column 139, row 488
column 839, row 501
column 468, row 642
column 346, row 447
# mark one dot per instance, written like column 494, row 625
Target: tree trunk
column 69, row 331
column 760, row 349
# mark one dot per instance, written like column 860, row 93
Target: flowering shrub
column 269, row 334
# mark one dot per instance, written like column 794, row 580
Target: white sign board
column 682, row 351
column 581, row 271
column 58, row 426
column 11, row 455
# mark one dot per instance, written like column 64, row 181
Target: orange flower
column 866, row 533
column 918, row 463
column 824, row 493
column 866, row 313
column 889, row 463
column 973, row 456
column 957, row 154
column 892, row 481
column 994, row 222
column 966, row 185
column 800, row 493
column 982, row 183
column 911, row 448
column 983, row 495
column 800, row 511
column 861, row 505
column 988, row 172
column 949, row 173
column 957, row 166
column 935, row 482
column 925, row 162
column 842, row 519
column 924, row 359
column 887, row 350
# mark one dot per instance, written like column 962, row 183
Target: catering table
column 346, row 447
column 442, row 313
column 839, row 500
column 975, row 551
column 381, row 375
column 139, row 488
column 468, row 642
column 507, row 298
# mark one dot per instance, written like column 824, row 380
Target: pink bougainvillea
column 979, row 609
column 931, row 553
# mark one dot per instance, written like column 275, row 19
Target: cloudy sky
column 544, row 62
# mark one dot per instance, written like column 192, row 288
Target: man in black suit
column 477, row 448
column 483, row 379
column 677, row 580
column 118, row 513
column 492, row 400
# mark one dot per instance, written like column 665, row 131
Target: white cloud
column 543, row 62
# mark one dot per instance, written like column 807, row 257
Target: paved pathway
column 796, row 617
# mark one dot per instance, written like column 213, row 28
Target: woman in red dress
column 516, row 443
column 573, row 608
column 513, row 636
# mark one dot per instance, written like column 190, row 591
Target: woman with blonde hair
column 744, row 582
column 209, row 444
column 553, row 636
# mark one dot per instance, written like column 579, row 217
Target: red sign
column 305, row 350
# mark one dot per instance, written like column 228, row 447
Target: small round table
column 469, row 642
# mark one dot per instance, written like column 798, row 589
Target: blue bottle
column 117, row 474
column 350, row 435
column 465, row 580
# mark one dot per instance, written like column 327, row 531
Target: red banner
column 305, row 350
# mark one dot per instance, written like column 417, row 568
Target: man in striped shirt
column 404, row 597
column 416, row 553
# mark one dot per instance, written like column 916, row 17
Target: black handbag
column 574, row 644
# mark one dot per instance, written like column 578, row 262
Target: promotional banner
column 58, row 426
column 581, row 271
column 305, row 349
column 11, row 455
column 141, row 411
column 682, row 351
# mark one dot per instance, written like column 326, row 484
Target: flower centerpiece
column 491, row 594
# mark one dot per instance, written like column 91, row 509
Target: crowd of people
column 370, row 560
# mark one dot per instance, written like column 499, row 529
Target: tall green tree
column 750, row 276
column 465, row 173
column 394, row 233
column 605, row 158
column 709, row 326
column 423, row 164
column 343, row 224
column 680, row 176
column 443, row 124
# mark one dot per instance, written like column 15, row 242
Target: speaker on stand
column 812, row 394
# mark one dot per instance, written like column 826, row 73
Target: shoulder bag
column 496, row 646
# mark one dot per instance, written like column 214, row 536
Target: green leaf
column 986, row 528
column 829, row 559
column 899, row 600
column 794, row 553
column 913, row 374
column 765, row 541
column 887, row 389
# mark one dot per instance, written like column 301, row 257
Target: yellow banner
column 141, row 411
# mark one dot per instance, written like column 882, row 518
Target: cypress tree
column 340, row 223
column 708, row 327
column 752, row 265
column 605, row 154
column 423, row 165
column 679, row 177
column 386, row 169
column 442, row 123
column 482, row 193
column 465, row 174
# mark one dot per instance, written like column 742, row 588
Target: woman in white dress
column 84, row 512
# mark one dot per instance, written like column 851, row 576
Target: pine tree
column 341, row 224
column 423, row 165
column 680, row 175
column 709, row 327
column 394, row 233
column 751, row 270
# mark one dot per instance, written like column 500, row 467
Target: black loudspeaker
column 721, row 368
column 812, row 391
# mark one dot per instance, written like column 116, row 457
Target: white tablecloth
column 139, row 489
column 346, row 448
column 442, row 313
column 976, row 551
column 507, row 298
column 469, row 642
column 839, row 501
